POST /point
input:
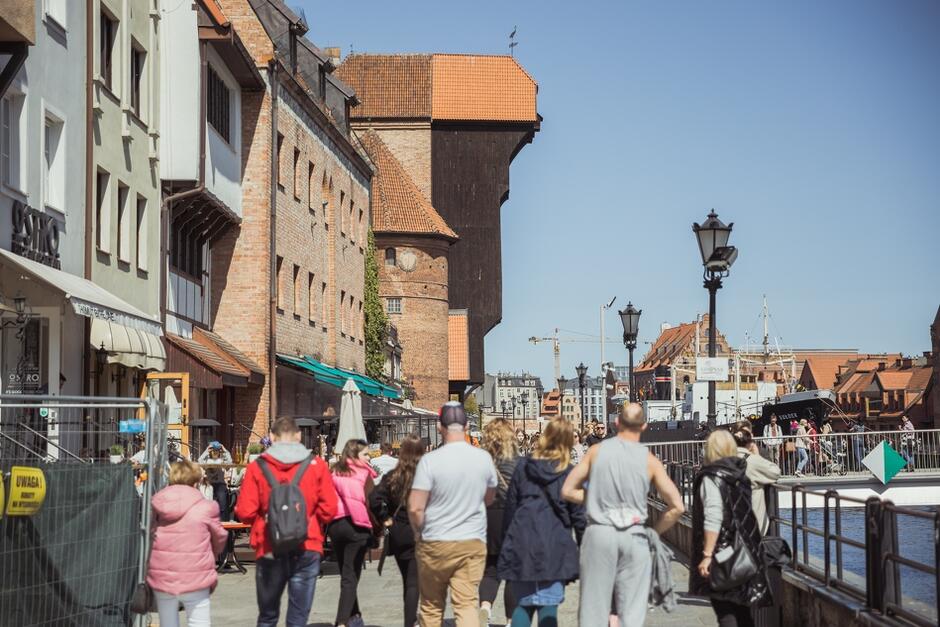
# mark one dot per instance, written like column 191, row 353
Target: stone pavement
column 233, row 603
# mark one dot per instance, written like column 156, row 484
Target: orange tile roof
column 858, row 382
column 398, row 206
column 223, row 347
column 920, row 378
column 389, row 85
column 894, row 379
column 458, row 346
column 212, row 359
column 456, row 87
column 215, row 12
column 673, row 342
column 478, row 87
column 824, row 368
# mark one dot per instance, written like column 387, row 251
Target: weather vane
column 512, row 41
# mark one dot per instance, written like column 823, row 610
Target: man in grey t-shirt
column 447, row 507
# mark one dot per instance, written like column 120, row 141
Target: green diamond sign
column 884, row 462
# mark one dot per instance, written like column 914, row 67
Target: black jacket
column 496, row 511
column 737, row 514
column 401, row 538
column 538, row 544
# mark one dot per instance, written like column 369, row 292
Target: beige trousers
column 457, row 566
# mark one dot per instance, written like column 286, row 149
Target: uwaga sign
column 35, row 235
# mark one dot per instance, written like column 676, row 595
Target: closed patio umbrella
column 350, row 416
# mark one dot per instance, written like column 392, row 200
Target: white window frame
column 103, row 214
column 12, row 147
column 124, row 222
column 53, row 174
column 397, row 309
column 141, row 217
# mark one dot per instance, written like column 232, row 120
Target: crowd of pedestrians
column 531, row 514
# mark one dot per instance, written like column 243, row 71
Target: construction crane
column 556, row 346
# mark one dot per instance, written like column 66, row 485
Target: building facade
column 594, row 400
column 455, row 122
column 412, row 243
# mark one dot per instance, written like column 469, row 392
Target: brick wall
column 411, row 145
column 420, row 279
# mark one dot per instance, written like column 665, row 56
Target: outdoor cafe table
column 229, row 557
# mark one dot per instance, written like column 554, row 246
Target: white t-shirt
column 457, row 476
column 383, row 464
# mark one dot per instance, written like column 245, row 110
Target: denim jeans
column 804, row 458
column 299, row 573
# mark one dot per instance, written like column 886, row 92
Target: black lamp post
column 630, row 318
column 717, row 258
column 525, row 402
column 512, row 399
column 503, row 405
column 582, row 372
column 562, row 381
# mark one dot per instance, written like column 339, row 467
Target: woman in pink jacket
column 351, row 530
column 187, row 538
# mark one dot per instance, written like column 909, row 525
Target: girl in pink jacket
column 187, row 538
column 351, row 529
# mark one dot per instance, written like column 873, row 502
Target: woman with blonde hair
column 537, row 565
column 500, row 442
column 187, row 538
column 722, row 514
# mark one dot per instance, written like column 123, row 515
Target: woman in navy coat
column 540, row 549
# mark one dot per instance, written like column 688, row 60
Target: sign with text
column 35, row 235
column 27, row 491
column 711, row 368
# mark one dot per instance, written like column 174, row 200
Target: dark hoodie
column 539, row 544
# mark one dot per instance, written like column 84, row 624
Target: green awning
column 338, row 376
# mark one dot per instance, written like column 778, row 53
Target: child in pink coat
column 187, row 538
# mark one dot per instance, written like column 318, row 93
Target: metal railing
column 834, row 454
column 822, row 543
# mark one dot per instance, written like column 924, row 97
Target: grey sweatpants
column 615, row 564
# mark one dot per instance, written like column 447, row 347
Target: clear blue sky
column 814, row 126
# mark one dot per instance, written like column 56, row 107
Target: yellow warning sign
column 27, row 491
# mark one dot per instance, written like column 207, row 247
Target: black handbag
column 732, row 566
column 143, row 600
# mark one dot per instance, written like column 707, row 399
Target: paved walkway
column 233, row 603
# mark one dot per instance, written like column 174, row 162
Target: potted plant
column 254, row 451
column 117, row 453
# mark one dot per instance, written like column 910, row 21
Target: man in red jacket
column 298, row 571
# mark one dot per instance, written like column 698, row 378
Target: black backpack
column 287, row 510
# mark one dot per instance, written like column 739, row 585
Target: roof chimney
column 881, row 366
column 335, row 55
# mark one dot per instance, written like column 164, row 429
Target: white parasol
column 350, row 416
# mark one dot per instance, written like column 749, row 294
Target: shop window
column 219, row 106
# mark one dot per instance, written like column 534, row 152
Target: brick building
column 290, row 277
column 455, row 122
column 412, row 242
column 877, row 392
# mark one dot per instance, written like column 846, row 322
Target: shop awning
column 87, row 298
column 211, row 361
column 128, row 346
column 338, row 376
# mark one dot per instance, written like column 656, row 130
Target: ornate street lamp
column 582, row 372
column 503, row 405
column 717, row 259
column 512, row 399
column 562, row 381
column 630, row 318
column 525, row 402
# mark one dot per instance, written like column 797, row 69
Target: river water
column 915, row 542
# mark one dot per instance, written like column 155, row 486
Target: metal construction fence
column 838, row 454
column 74, row 526
column 885, row 557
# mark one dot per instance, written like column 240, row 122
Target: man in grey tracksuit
column 615, row 554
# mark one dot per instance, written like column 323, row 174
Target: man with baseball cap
column 447, row 508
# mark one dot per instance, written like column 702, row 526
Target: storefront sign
column 132, row 426
column 711, row 368
column 35, row 235
column 25, row 380
column 27, row 491
column 93, row 311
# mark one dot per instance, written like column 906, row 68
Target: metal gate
column 78, row 474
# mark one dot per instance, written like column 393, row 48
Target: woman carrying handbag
column 539, row 555
column 389, row 503
column 726, row 536
column 188, row 537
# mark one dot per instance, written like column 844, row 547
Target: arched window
column 390, row 257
